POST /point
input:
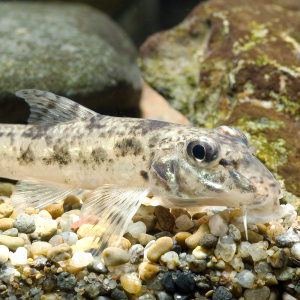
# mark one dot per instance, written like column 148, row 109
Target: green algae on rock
column 237, row 63
column 69, row 49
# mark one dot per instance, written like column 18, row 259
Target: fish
column 66, row 147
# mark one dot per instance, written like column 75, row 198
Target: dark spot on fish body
column 152, row 142
column 60, row 155
column 11, row 135
column 94, row 123
column 157, row 125
column 225, row 163
column 128, row 146
column 241, row 183
column 99, row 155
column 145, row 175
column 27, row 157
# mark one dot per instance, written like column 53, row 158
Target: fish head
column 216, row 168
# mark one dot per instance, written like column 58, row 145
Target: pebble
column 92, row 291
column 193, row 241
column 148, row 270
column 149, row 220
column 55, row 210
column 235, row 289
column 218, row 223
column 71, row 202
column 136, row 253
column 163, row 296
column 56, row 240
column 200, row 253
column 45, row 214
column 184, row 222
column 246, row 279
column 25, row 223
column 253, row 237
column 136, row 228
column 258, row 250
column 262, row 268
column 40, row 262
column 113, row 256
column 226, row 248
column 11, row 242
column 4, row 253
column 59, row 253
column 117, row 294
column 120, row 242
column 287, row 239
column 97, row 267
column 208, row 241
column 284, row 273
column 69, row 238
column 159, row 247
column 88, row 230
column 11, row 232
column 295, row 250
column 286, row 296
column 163, row 233
column 81, row 259
column 171, row 260
column 40, row 248
column 168, row 282
column 164, row 218
column 243, row 248
column 145, row 238
column 185, row 283
column 234, row 233
column 6, row 189
column 131, row 283
column 196, row 265
column 66, row 281
column 19, row 258
column 180, row 238
column 92, row 219
column 6, row 223
column 5, row 210
column 280, row 258
column 48, row 231
column 237, row 263
column 221, row 293
column 259, row 294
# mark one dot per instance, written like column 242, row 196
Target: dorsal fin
column 49, row 109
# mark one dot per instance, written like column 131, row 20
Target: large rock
column 237, row 63
column 71, row 50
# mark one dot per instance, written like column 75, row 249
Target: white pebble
column 19, row 258
column 243, row 248
column 70, row 238
column 136, row 228
column 45, row 214
column 171, row 259
column 81, row 259
column 184, row 223
column 4, row 253
column 296, row 250
column 218, row 224
column 246, row 279
column 286, row 296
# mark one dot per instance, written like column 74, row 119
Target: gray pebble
column 136, row 254
column 92, row 291
column 163, row 233
column 97, row 267
column 234, row 233
column 25, row 223
column 102, row 298
column 66, row 281
column 163, row 296
column 208, row 241
column 196, row 265
column 117, row 294
column 221, row 293
column 287, row 239
column 11, row 232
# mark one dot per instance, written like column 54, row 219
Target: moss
column 284, row 104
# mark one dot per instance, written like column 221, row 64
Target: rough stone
column 280, row 258
column 115, row 256
column 5, row 210
column 226, row 247
column 66, row 281
column 25, row 223
column 107, row 78
column 148, row 220
column 59, row 253
column 209, row 241
column 259, row 294
column 234, row 233
column 221, row 293
column 287, row 239
column 236, row 84
column 164, row 217
column 185, row 283
column 168, row 283
column 11, row 232
column 6, row 189
column 6, row 223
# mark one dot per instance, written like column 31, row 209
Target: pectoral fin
column 37, row 194
column 114, row 206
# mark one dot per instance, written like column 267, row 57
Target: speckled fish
column 66, row 147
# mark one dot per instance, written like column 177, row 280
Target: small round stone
column 148, row 270
column 218, row 223
column 193, row 241
column 168, row 282
column 131, row 283
column 136, row 253
column 287, row 239
column 4, row 253
column 234, row 233
column 40, row 248
column 261, row 294
column 57, row 240
column 120, row 242
column 55, row 210
column 208, row 241
column 145, row 238
column 164, row 217
column 180, row 238
column 5, row 210
column 25, row 223
column 117, row 294
column 115, row 256
column 148, row 220
column 81, row 259
column 69, row 238
column 226, row 247
column 48, row 231
column 11, row 232
column 184, row 222
column 185, row 283
column 19, row 258
column 66, row 281
column 246, row 279
column 171, row 259
column 11, row 242
column 159, row 247
column 92, row 291
column 136, row 228
column 59, row 253
column 6, row 223
column 221, row 293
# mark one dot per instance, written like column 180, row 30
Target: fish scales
column 66, row 147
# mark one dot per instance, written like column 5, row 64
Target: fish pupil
column 199, row 152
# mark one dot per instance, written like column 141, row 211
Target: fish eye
column 202, row 152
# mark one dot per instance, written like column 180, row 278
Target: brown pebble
column 209, row 293
column 262, row 228
column 253, row 237
column 235, row 213
column 235, row 289
column 177, row 212
column 147, row 270
column 280, row 258
column 148, row 220
column 6, row 189
column 55, row 210
column 204, row 219
column 92, row 219
column 6, row 223
column 159, row 247
column 193, row 241
column 165, row 219
column 59, row 253
column 123, row 243
column 199, row 215
column 180, row 238
column 31, row 211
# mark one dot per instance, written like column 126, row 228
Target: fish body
column 67, row 147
